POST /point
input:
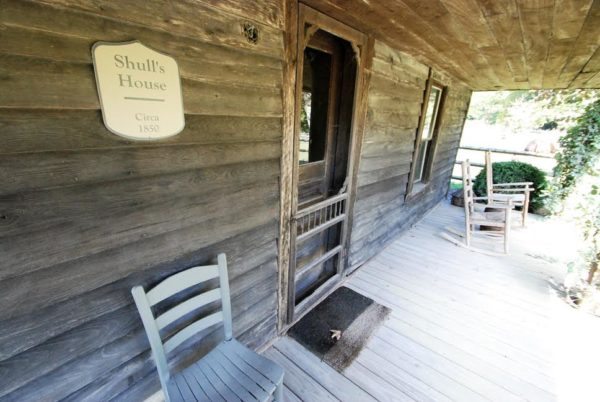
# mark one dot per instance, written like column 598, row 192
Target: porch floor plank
column 465, row 326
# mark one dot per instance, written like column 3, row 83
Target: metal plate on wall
column 139, row 90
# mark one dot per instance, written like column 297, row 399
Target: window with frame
column 426, row 141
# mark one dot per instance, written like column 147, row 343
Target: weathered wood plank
column 187, row 19
column 129, row 351
column 437, row 345
column 40, row 360
column 336, row 384
column 442, row 21
column 383, row 131
column 375, row 385
column 374, row 19
column 386, row 230
column 268, row 12
column 408, row 103
column 373, row 176
column 395, row 58
column 76, row 206
column 298, row 381
column 202, row 63
column 112, row 212
column 380, row 161
column 536, row 21
column 61, row 130
column 77, row 27
column 244, row 252
column 23, row 294
column 396, row 185
column 400, row 119
column 72, row 86
column 384, row 159
column 583, row 49
column 569, row 16
column 287, row 190
column 382, row 86
column 32, row 171
column 503, row 19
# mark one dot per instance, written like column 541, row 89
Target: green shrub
column 515, row 172
column 549, row 125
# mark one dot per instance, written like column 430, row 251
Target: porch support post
column 287, row 157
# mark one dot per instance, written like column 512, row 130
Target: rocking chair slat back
column 499, row 219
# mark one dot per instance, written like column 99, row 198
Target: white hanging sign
column 139, row 90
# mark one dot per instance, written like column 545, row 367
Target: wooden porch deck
column 464, row 326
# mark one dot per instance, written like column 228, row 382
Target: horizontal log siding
column 394, row 105
column 85, row 214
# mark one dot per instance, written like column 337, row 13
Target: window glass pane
column 305, row 125
column 315, row 99
column 431, row 113
column 420, row 161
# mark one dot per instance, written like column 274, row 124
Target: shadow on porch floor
column 464, row 326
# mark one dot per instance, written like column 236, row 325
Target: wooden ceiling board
column 487, row 44
column 536, row 23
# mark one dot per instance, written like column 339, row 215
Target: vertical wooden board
column 536, row 23
column 584, row 48
column 503, row 19
column 569, row 16
column 286, row 191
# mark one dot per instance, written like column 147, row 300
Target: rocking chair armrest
column 513, row 190
column 508, row 205
column 522, row 184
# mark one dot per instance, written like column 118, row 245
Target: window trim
column 413, row 187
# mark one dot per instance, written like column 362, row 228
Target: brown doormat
column 356, row 316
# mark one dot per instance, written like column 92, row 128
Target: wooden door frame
column 296, row 16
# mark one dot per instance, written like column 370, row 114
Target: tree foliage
column 530, row 110
column 580, row 150
column 577, row 177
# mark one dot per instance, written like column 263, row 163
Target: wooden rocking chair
column 231, row 371
column 501, row 193
column 500, row 218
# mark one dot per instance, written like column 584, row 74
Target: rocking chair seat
column 517, row 199
column 230, row 372
column 488, row 218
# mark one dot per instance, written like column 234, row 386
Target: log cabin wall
column 85, row 214
column 382, row 211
